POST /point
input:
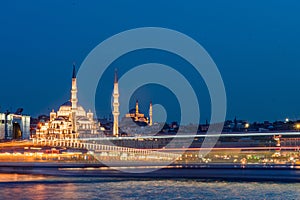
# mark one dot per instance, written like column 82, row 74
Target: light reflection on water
column 20, row 177
column 15, row 186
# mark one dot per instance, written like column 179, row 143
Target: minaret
column 74, row 100
column 150, row 114
column 136, row 110
column 90, row 115
column 52, row 115
column 116, row 104
column 137, row 107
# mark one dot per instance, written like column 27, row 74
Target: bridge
column 102, row 151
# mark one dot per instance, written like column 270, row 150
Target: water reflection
column 20, row 177
column 16, row 186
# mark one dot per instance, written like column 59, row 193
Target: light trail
column 231, row 148
column 220, row 149
column 196, row 136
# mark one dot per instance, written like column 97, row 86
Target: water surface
column 16, row 186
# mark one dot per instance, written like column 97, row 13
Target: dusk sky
column 255, row 45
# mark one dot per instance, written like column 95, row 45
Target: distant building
column 136, row 123
column 138, row 117
column 289, row 141
column 236, row 126
column 14, row 126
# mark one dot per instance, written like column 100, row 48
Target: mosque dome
column 66, row 108
column 67, row 104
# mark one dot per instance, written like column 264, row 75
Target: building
column 70, row 121
column 138, row 117
column 14, row 126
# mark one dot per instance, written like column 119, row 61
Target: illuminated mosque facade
column 70, row 121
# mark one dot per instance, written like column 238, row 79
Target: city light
column 247, row 125
column 297, row 126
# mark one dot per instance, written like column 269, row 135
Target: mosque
column 140, row 118
column 71, row 120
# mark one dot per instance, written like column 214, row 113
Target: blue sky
column 255, row 45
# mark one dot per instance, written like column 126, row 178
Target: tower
column 74, row 101
column 52, row 115
column 137, row 107
column 150, row 114
column 136, row 110
column 90, row 115
column 116, row 104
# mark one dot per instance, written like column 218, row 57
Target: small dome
column 83, row 120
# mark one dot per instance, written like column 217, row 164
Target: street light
column 298, row 126
column 247, row 125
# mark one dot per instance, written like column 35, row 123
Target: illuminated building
column 70, row 121
column 136, row 123
column 14, row 126
column 138, row 117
